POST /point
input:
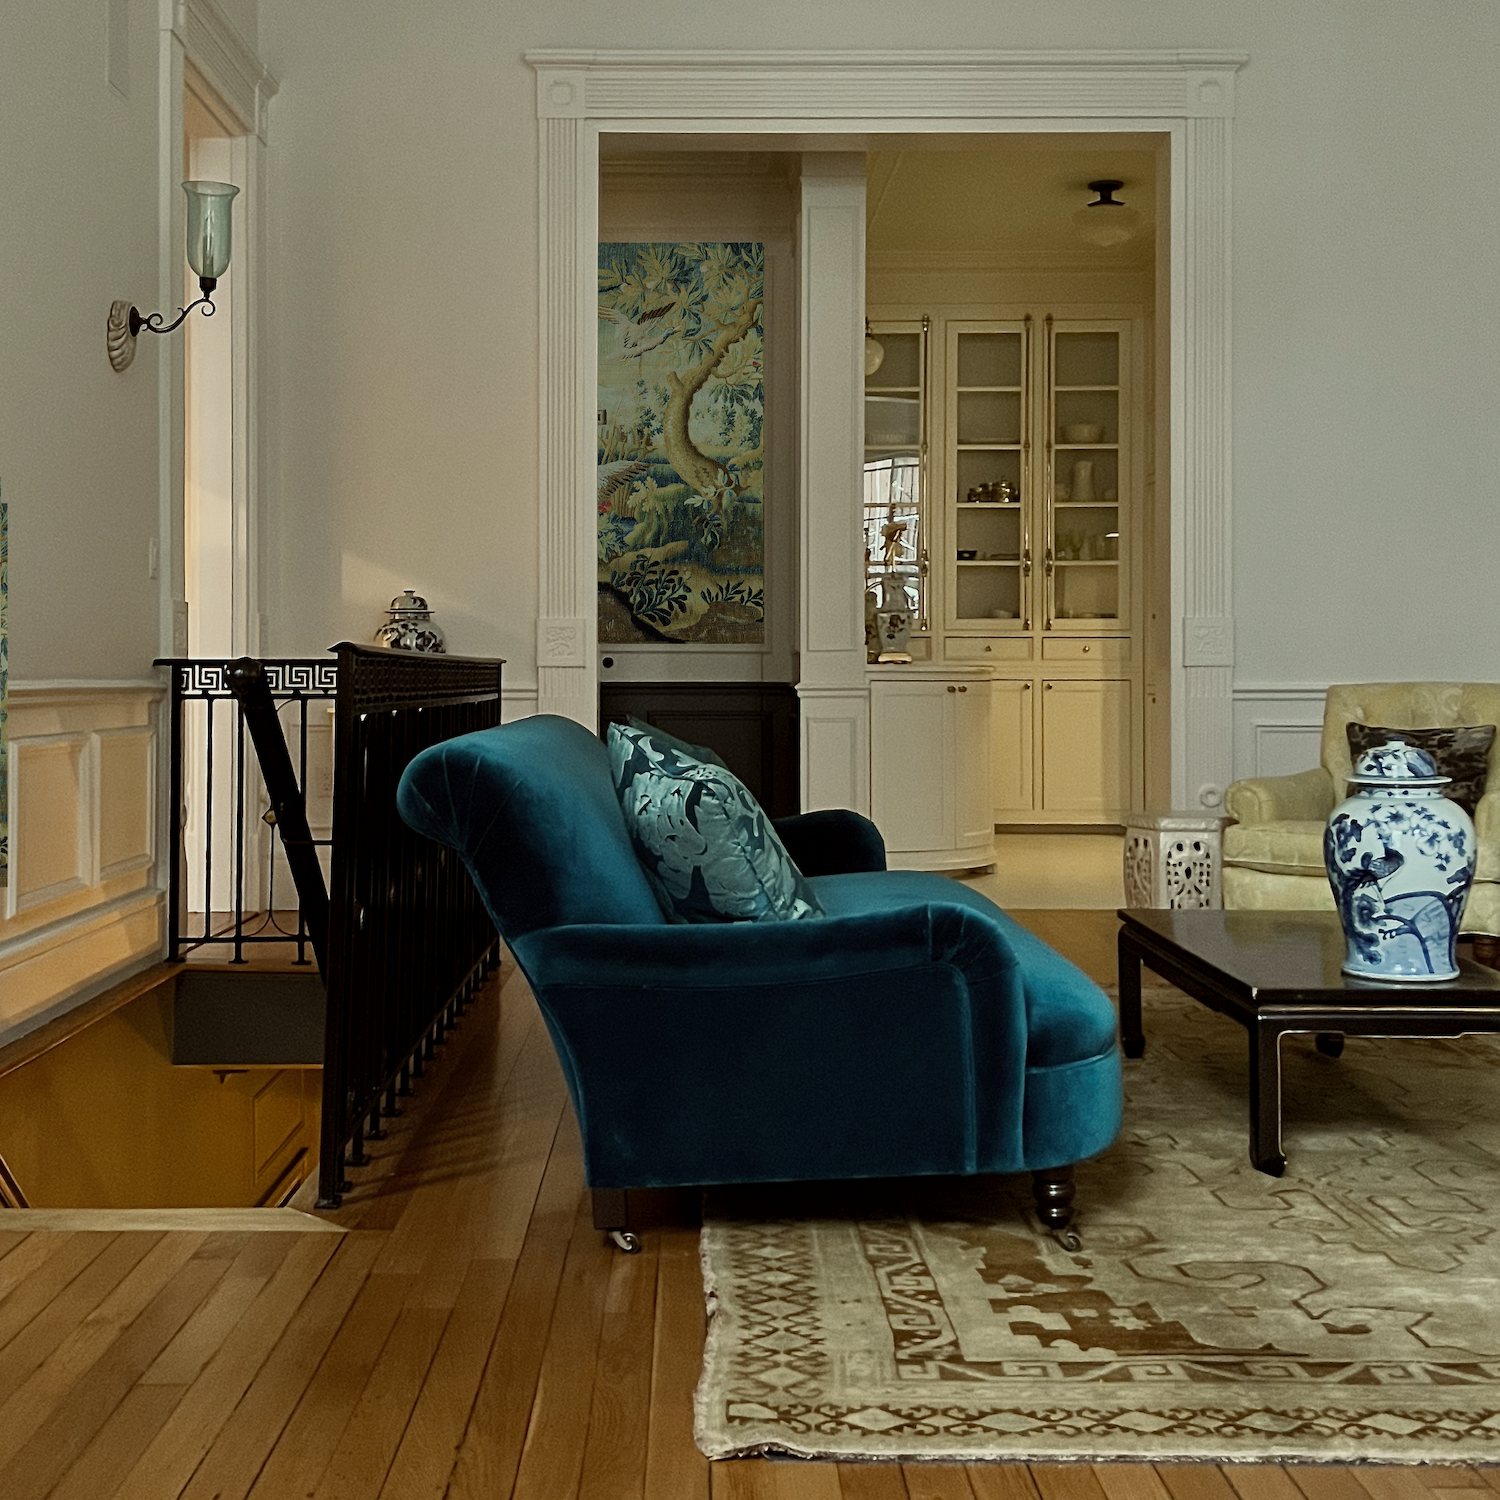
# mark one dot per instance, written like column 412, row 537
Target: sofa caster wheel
column 626, row 1240
column 1068, row 1239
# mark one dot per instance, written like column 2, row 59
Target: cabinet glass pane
column 1087, row 359
column 1086, row 475
column 902, row 365
column 1087, row 590
column 892, row 525
column 988, row 591
column 1086, row 533
column 1087, row 417
column 989, row 359
column 991, row 535
column 989, row 417
column 981, row 473
column 893, row 421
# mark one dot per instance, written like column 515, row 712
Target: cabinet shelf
column 987, row 562
column 1086, row 562
column 991, row 504
column 1085, row 505
column 1096, row 447
column 1085, row 387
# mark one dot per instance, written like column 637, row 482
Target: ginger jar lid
column 1396, row 763
column 408, row 603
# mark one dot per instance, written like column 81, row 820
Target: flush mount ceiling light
column 1106, row 221
column 208, row 242
column 874, row 351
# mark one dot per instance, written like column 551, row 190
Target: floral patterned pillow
column 1462, row 754
column 708, row 850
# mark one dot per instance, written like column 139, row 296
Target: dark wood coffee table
column 1278, row 971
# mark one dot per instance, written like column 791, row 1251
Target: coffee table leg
column 1132, row 1038
column 1265, row 1099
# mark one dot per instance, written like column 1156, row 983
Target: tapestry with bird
column 681, row 406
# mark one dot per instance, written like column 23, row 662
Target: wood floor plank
column 237, row 1454
column 200, row 1338
column 1001, row 1482
column 302, row 1452
column 614, row 1457
column 173, row 1452
column 1260, row 1482
column 872, row 1481
column 490, row 1453
column 40, row 1338
column 45, row 1281
column 743, row 1479
column 429, row 1445
column 494, row 1238
column 1326, row 1482
column 1130, row 1482
column 675, row 1469
column 151, row 1263
column 937, row 1482
column 102, row 1467
column 1388, row 1482
column 1195, row 1482
column 1066, row 1482
column 56, row 1444
column 11, row 1239
column 373, row 1433
column 802, row 1481
column 552, row 1458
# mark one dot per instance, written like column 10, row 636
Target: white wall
column 1365, row 305
column 78, row 443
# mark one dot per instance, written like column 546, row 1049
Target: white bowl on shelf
column 1082, row 432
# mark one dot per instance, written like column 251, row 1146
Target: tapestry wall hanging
column 681, row 468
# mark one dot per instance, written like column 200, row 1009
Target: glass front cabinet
column 1034, row 521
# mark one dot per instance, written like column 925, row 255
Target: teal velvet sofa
column 914, row 1029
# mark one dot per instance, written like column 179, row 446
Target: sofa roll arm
column 832, row 841
column 1304, row 798
column 742, row 958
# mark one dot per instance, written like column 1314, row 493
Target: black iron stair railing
column 401, row 937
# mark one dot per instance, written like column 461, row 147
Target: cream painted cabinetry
column 931, row 783
column 1039, row 528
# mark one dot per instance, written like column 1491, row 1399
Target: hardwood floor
column 469, row 1335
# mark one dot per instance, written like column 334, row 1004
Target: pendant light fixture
column 1106, row 221
column 208, row 245
column 874, row 352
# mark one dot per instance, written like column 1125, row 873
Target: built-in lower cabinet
column 931, row 784
column 1061, row 750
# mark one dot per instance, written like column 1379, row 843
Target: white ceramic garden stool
column 1173, row 859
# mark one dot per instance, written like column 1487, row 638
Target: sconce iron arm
column 154, row 324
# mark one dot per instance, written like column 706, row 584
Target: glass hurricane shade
column 208, row 227
column 1107, row 224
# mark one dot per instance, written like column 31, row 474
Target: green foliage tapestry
column 681, row 469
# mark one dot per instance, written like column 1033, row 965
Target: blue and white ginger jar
column 1400, row 858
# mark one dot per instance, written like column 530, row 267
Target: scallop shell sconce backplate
column 118, row 335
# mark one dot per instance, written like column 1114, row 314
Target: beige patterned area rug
column 1347, row 1311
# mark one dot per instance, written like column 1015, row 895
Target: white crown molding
column 880, row 87
column 226, row 60
column 1186, row 94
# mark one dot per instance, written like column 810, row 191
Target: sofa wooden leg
column 1487, row 950
column 609, row 1215
column 1053, row 1190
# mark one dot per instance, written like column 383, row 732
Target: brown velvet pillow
column 1461, row 753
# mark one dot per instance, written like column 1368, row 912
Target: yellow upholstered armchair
column 1273, row 851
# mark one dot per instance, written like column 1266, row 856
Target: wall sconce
column 1106, row 221
column 208, row 242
